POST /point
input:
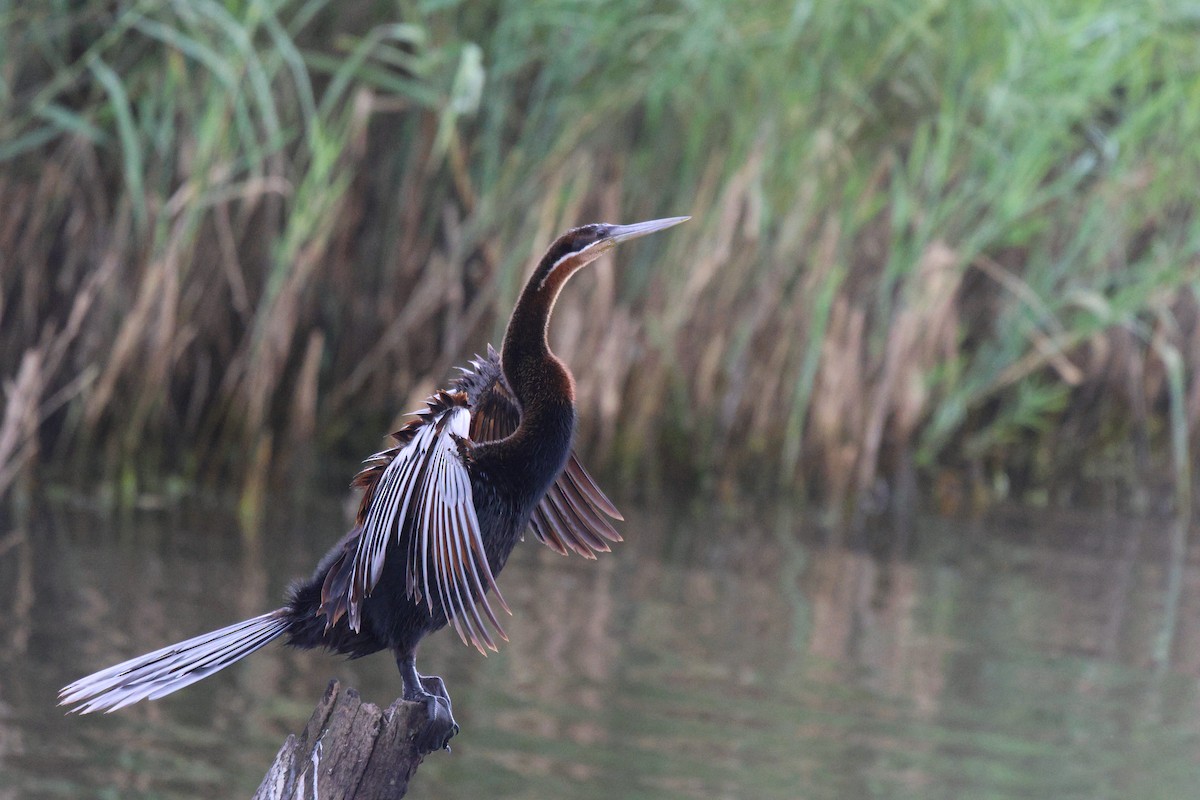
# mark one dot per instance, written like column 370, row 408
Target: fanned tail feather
column 156, row 674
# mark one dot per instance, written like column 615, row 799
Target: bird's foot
column 441, row 727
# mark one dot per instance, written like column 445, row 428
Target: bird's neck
column 541, row 383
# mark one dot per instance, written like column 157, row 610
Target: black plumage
column 440, row 514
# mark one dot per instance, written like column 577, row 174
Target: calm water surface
column 717, row 654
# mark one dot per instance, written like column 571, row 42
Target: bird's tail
column 174, row 667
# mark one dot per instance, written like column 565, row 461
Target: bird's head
column 581, row 246
column 530, row 367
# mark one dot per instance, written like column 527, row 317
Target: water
column 717, row 654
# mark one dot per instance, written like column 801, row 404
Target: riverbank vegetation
column 956, row 241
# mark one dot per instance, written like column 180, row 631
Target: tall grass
column 953, row 237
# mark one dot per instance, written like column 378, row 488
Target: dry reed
column 958, row 238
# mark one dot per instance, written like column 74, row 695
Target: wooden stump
column 349, row 749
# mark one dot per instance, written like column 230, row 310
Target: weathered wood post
column 350, row 750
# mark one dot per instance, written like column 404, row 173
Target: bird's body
column 440, row 514
column 502, row 488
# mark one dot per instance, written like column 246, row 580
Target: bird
column 441, row 511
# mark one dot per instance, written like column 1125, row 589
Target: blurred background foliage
column 947, row 241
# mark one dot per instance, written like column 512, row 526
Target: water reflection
column 1030, row 655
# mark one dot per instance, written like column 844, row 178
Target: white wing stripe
column 424, row 499
column 472, row 621
column 427, row 563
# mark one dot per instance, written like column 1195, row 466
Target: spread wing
column 419, row 497
column 572, row 515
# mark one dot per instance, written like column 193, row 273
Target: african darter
column 440, row 514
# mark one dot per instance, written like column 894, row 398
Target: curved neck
column 540, row 382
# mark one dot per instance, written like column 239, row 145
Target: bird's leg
column 430, row 690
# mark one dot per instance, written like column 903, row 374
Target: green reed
column 952, row 237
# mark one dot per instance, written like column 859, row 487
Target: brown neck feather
column 537, row 450
column 538, row 379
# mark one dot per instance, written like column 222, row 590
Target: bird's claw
column 441, row 727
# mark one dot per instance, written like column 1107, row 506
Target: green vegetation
column 960, row 236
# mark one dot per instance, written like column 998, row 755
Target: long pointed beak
column 623, row 233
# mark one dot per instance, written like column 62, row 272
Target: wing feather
column 545, row 532
column 421, row 503
column 572, row 515
column 418, row 499
column 579, row 476
column 585, row 510
column 576, row 527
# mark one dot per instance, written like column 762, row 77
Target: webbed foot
column 431, row 691
column 441, row 727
